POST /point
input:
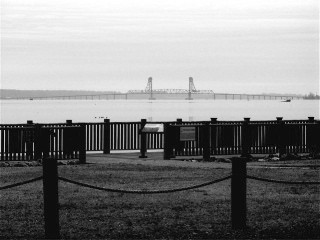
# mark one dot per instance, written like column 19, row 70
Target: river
column 55, row 111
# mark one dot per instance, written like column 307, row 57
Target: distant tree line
column 311, row 96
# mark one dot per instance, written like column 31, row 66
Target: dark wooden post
column 167, row 151
column 29, row 143
column 82, row 144
column 245, row 138
column 143, row 140
column 239, row 193
column 311, row 130
column 180, row 145
column 51, row 199
column 106, row 136
column 37, row 142
column 206, row 141
column 69, row 122
column 213, row 135
column 281, row 137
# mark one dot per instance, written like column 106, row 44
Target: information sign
column 187, row 133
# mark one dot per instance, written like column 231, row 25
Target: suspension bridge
column 152, row 94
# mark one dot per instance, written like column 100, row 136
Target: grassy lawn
column 274, row 210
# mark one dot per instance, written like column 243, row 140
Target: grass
column 274, row 210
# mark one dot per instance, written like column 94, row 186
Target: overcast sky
column 251, row 46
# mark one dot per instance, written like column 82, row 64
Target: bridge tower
column 192, row 88
column 149, row 88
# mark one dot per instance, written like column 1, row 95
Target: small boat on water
column 287, row 100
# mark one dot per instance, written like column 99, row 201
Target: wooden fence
column 20, row 141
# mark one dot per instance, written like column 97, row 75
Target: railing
column 35, row 141
column 245, row 137
column 18, row 142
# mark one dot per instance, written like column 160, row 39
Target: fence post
column 245, row 138
column 167, row 151
column 82, row 144
column 180, row 145
column 106, row 136
column 239, row 193
column 312, row 132
column 213, row 135
column 206, row 141
column 37, row 142
column 143, row 140
column 29, row 143
column 51, row 198
column 280, row 144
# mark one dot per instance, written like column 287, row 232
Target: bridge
column 153, row 94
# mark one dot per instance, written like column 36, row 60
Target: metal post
column 143, row 140
column 106, row 136
column 51, row 199
column 239, row 193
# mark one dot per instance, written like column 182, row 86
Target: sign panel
column 187, row 133
column 152, row 127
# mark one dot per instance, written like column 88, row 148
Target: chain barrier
column 144, row 191
column 21, row 183
column 279, row 181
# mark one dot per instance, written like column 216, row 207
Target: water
column 55, row 111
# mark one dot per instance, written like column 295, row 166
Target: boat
column 287, row 100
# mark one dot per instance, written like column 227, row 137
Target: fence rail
column 19, row 142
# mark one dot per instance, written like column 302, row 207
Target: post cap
column 247, row 119
column 311, row 119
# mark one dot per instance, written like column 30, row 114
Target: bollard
column 82, row 144
column 106, row 136
column 143, row 140
column 206, row 141
column 245, row 138
column 239, row 193
column 51, row 198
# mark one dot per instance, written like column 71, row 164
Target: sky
column 233, row 46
